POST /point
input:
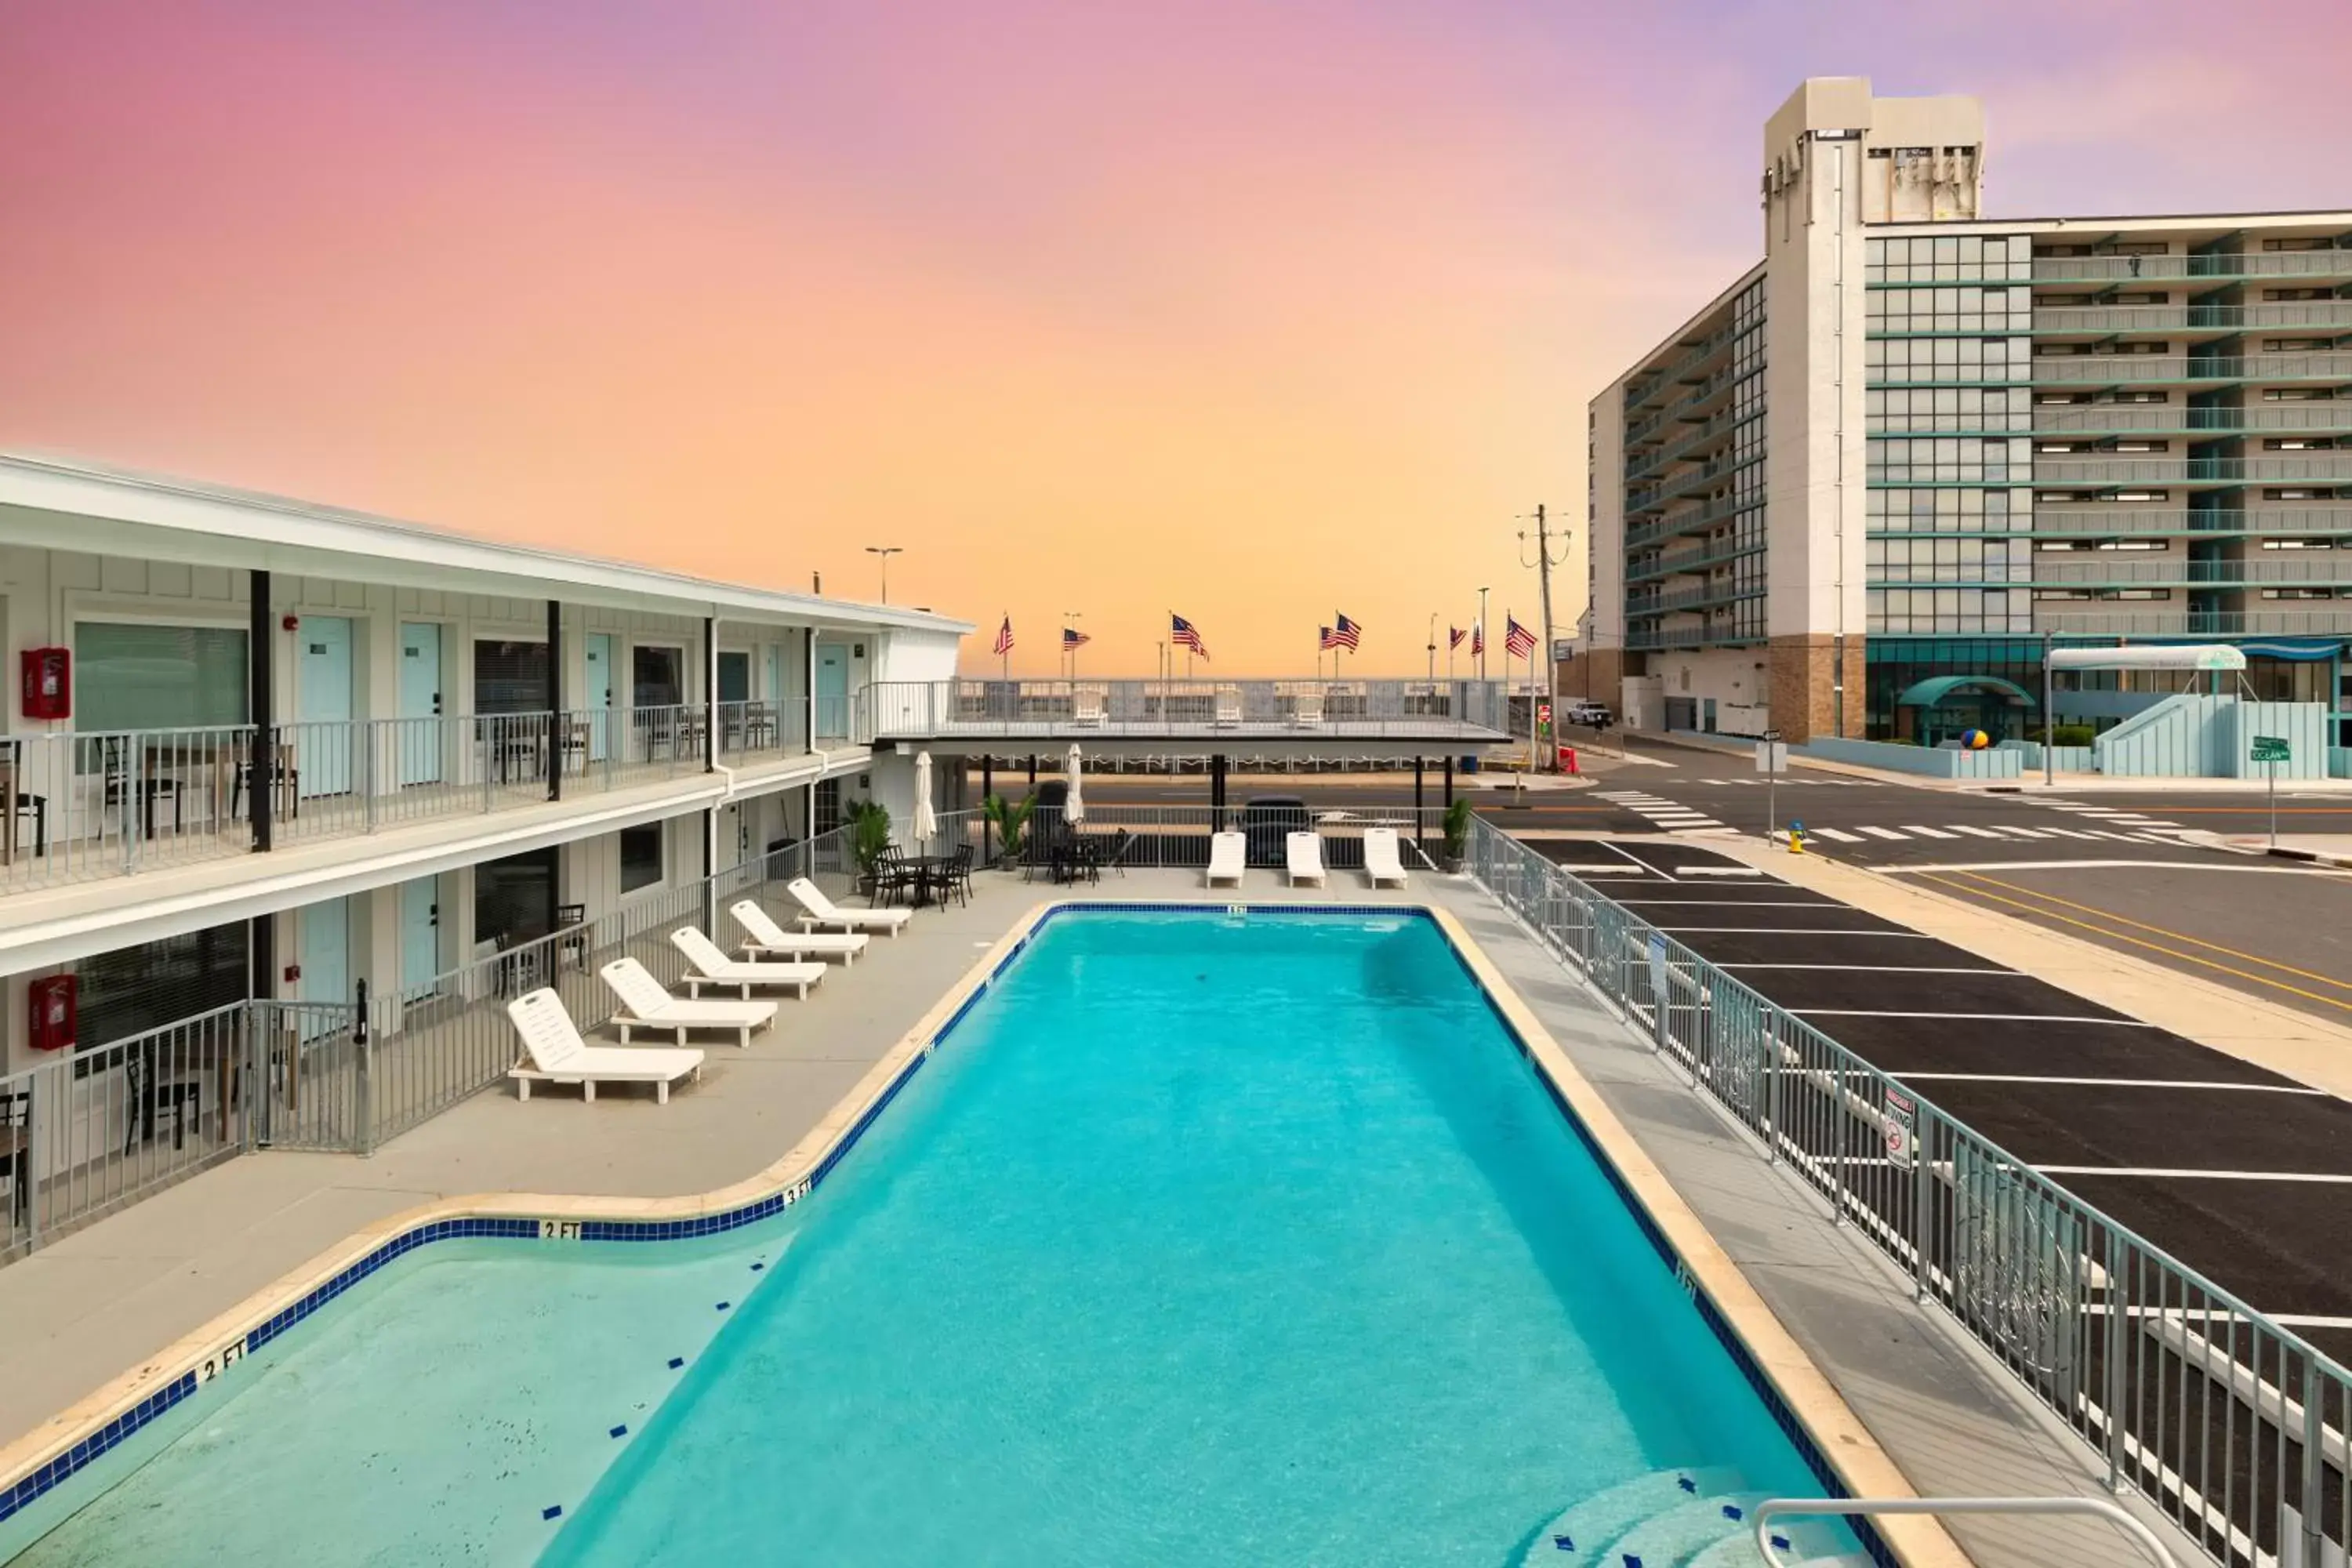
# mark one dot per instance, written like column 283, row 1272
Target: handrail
column 2097, row 1508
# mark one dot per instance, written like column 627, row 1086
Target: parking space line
column 2161, row 1173
column 1976, row 1017
column 1866, row 968
column 2097, row 1082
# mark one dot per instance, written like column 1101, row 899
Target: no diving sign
column 1901, row 1119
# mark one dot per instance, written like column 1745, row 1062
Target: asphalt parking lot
column 2240, row 1173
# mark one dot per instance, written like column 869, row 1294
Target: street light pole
column 2049, row 720
column 885, row 551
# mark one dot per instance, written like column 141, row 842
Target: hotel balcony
column 2123, row 521
column 2327, row 416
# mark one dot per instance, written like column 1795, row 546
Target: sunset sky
column 1249, row 311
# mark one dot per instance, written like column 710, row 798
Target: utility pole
column 1543, row 563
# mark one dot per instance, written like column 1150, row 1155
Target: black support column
column 808, row 694
column 1418, row 838
column 710, row 694
column 1449, row 778
column 555, row 736
column 987, row 786
column 260, row 656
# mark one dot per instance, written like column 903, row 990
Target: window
column 509, row 677
column 142, row 676
column 641, row 857
column 134, row 989
column 2143, row 593
column 656, row 677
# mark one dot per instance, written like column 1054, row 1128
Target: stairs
column 1679, row 1519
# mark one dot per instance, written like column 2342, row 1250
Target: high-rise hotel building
column 1913, row 441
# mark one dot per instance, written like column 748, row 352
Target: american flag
column 1184, row 634
column 1478, row 640
column 1453, row 636
column 1004, row 637
column 1325, row 639
column 1518, row 641
column 1072, row 638
column 1346, row 633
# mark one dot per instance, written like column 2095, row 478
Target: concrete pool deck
column 103, row 1298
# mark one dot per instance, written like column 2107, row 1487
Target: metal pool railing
column 2227, row 1422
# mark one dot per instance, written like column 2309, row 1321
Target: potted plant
column 869, row 835
column 1457, row 832
column 1012, row 822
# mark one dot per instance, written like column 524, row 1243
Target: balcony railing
column 2316, row 365
column 2323, row 467
column 1073, row 709
column 1642, row 465
column 2327, row 314
column 2195, row 622
column 2143, row 520
column 2334, row 415
column 90, row 805
column 1684, row 521
column 1669, row 565
column 2226, row 264
column 1656, row 637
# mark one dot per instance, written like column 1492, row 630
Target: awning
column 2150, row 655
column 1927, row 693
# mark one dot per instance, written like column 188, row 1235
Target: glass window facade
column 148, row 675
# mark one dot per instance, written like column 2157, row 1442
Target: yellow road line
column 2265, row 980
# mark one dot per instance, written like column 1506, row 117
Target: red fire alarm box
column 48, row 677
column 52, row 998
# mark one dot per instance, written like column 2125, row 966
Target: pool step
column 1674, row 1536
column 1797, row 1543
column 1576, row 1538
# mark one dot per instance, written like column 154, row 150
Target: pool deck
column 82, row 1311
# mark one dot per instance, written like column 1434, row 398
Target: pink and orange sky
column 1250, row 311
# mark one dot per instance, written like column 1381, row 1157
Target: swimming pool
column 1202, row 1238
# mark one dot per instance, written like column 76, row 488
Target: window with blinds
column 134, row 989
column 149, row 675
column 509, row 677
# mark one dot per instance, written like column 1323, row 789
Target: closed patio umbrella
column 927, row 818
column 1074, row 805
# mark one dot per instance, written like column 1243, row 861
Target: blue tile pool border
column 47, row 1475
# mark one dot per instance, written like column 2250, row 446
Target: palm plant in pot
column 1457, row 832
column 1012, row 823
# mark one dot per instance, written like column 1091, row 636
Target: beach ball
column 1975, row 740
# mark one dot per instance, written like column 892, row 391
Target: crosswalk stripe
column 1973, row 832
column 2008, row 828
column 1882, row 833
column 1927, row 832
column 2069, row 831
column 1837, row 833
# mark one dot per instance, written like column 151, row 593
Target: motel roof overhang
column 58, row 504
column 1435, row 744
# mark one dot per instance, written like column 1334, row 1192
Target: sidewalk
column 2325, row 848
column 2309, row 1049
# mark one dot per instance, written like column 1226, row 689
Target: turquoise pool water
column 1202, row 1239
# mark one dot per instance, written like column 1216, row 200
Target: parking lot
column 2238, row 1172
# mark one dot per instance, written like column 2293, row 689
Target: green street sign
column 2271, row 749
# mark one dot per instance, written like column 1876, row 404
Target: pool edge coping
column 95, row 1423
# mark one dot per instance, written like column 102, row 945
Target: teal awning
column 1927, row 693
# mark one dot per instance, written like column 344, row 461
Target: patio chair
column 645, row 1004
column 1307, row 710
column 1228, row 854
column 1086, row 707
column 819, row 911
column 554, row 1053
column 708, row 965
column 1228, row 711
column 769, row 939
column 1381, row 864
column 1304, row 858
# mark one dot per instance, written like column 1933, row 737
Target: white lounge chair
column 709, row 965
column 554, row 1053
column 1305, row 853
column 1307, row 710
column 1085, row 706
column 1381, row 863
column 1228, row 710
column 646, row 1004
column 1228, row 854
column 769, row 939
column 819, row 911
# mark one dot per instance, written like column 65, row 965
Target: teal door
column 832, row 693
column 597, row 695
column 417, row 738
column 420, row 931
column 325, row 948
column 323, row 740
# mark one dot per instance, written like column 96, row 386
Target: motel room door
column 419, row 734
column 420, row 931
column 832, row 692
column 597, row 696
column 323, row 737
